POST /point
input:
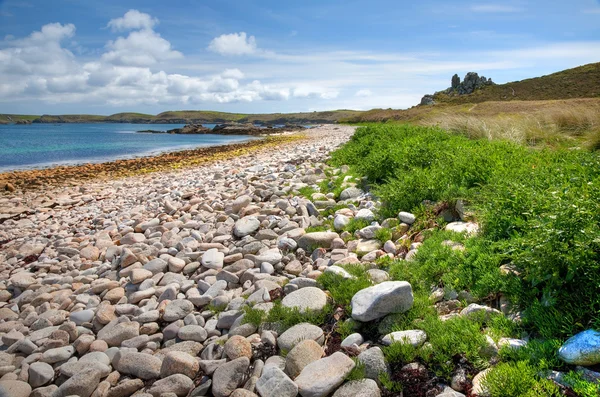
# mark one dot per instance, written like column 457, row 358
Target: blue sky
column 76, row 56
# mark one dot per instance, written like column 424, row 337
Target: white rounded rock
column 379, row 300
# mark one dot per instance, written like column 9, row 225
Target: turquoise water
column 45, row 145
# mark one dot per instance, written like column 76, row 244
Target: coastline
column 69, row 174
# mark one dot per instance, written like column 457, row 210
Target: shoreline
column 136, row 156
column 60, row 175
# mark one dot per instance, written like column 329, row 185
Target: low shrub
column 518, row 380
column 342, row 290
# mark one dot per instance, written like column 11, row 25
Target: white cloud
column 233, row 44
column 233, row 73
column 140, row 48
column 592, row 11
column 363, row 93
column 495, row 8
column 133, row 19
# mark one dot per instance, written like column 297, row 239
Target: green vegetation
column 518, row 380
column 538, row 210
column 284, row 317
column 358, row 372
column 342, row 290
column 383, row 234
column 356, row 224
column 539, row 245
column 307, row 191
column 455, row 337
column 581, row 386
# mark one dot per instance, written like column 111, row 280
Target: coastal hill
column 188, row 117
column 574, row 90
column 579, row 82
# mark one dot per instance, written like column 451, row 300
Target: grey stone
column 177, row 309
column 274, row 383
column 306, row 299
column 298, row 333
column 58, row 354
column 374, row 362
column 310, row 241
column 229, row 376
column 246, row 226
column 352, row 339
column 213, row 259
column 40, row 374
column 381, row 299
column 141, row 365
column 82, row 316
column 414, row 337
column 351, row 193
column 362, row 388
column 301, row 355
column 322, row 377
column 407, row 217
column 82, row 384
column 178, row 384
column 115, row 333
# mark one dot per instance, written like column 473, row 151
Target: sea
column 34, row 146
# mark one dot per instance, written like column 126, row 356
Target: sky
column 270, row 56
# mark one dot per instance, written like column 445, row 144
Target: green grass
column 342, row 290
column 307, row 191
column 356, row 224
column 285, row 317
column 383, row 234
column 518, row 380
column 580, row 386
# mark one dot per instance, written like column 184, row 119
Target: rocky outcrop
column 427, row 100
column 470, row 84
column 189, row 129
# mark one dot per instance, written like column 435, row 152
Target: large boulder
column 581, row 349
column 379, row 300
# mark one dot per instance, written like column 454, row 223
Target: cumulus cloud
column 133, row 19
column 140, row 48
column 234, row 44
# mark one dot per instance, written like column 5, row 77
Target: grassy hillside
column 553, row 122
column 190, row 116
column 580, row 82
